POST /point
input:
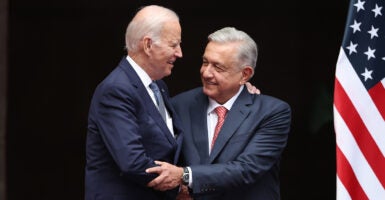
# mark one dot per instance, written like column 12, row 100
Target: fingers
column 169, row 176
column 158, row 169
column 257, row 91
column 159, row 162
column 252, row 89
column 156, row 182
column 161, row 183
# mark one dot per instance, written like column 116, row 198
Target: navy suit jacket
column 125, row 135
column 244, row 163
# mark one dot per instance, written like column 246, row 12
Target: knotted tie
column 221, row 112
column 159, row 100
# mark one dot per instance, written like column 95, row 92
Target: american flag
column 359, row 103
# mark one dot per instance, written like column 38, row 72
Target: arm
column 259, row 155
column 117, row 119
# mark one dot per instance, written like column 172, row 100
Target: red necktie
column 221, row 112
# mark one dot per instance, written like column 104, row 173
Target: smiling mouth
column 207, row 82
column 171, row 62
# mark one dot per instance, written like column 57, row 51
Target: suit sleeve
column 118, row 122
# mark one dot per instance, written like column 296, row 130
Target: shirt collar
column 144, row 77
column 213, row 104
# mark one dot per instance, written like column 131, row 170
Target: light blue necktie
column 159, row 100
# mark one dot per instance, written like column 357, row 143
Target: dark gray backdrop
column 59, row 51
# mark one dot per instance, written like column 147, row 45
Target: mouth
column 171, row 62
column 208, row 82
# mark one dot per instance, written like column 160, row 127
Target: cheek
column 202, row 70
column 234, row 78
column 162, row 54
column 210, row 91
column 204, row 74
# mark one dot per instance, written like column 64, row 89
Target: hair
column 148, row 21
column 247, row 48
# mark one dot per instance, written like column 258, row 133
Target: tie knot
column 221, row 111
column 154, row 87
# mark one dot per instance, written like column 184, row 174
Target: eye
column 175, row 45
column 219, row 68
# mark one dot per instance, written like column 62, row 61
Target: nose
column 178, row 52
column 206, row 71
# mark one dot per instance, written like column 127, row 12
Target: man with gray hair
column 131, row 122
column 233, row 140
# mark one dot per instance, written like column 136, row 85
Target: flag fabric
column 359, row 103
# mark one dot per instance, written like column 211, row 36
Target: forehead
column 172, row 31
column 220, row 51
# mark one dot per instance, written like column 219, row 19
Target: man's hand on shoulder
column 252, row 89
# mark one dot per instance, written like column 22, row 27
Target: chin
column 207, row 91
column 168, row 73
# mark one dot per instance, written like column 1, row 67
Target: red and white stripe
column 360, row 135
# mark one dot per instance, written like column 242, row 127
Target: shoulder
column 271, row 103
column 189, row 93
column 273, row 99
column 260, row 100
column 188, row 97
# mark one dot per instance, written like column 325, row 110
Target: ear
column 147, row 43
column 247, row 73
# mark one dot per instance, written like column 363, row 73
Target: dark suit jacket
column 125, row 135
column 244, row 163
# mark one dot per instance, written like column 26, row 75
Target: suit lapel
column 171, row 112
column 237, row 114
column 198, row 114
column 142, row 91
